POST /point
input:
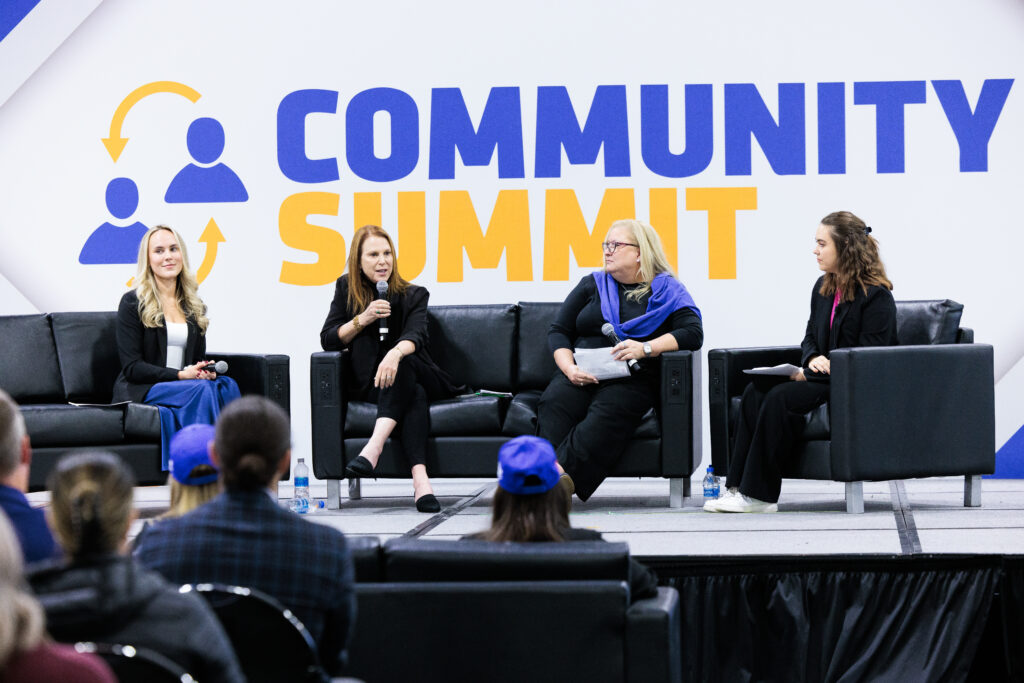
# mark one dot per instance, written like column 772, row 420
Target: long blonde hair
column 187, row 291
column 185, row 498
column 21, row 617
column 652, row 255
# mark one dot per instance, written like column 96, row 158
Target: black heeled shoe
column 428, row 503
column 359, row 467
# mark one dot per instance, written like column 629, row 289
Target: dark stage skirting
column 849, row 618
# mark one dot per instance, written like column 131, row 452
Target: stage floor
column 920, row 516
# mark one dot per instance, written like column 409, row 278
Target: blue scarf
column 668, row 295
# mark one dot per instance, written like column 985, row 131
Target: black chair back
column 137, row 664
column 270, row 642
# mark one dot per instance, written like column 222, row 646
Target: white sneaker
column 741, row 503
column 711, row 505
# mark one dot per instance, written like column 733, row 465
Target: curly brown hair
column 858, row 261
column 360, row 291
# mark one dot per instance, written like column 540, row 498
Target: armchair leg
column 855, row 497
column 678, row 489
column 354, row 491
column 333, row 494
column 972, row 491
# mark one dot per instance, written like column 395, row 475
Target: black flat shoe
column 359, row 467
column 428, row 503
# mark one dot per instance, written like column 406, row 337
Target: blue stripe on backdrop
column 1010, row 458
column 12, row 12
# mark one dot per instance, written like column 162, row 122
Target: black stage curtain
column 898, row 618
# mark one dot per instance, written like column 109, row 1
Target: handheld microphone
column 220, row 367
column 382, row 293
column 608, row 331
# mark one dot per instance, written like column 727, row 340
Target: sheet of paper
column 784, row 370
column 600, row 364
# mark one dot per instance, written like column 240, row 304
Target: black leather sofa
column 924, row 408
column 479, row 611
column 500, row 347
column 61, row 367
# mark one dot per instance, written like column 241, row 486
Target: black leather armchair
column 501, row 347
column 924, row 408
column 61, row 367
column 474, row 610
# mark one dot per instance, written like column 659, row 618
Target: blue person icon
column 207, row 183
column 111, row 243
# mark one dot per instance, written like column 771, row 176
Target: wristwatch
column 647, row 348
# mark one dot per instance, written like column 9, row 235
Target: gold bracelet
column 400, row 354
column 357, row 324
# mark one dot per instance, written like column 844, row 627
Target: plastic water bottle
column 300, row 499
column 710, row 484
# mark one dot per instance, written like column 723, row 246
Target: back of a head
column 12, row 430
column 90, row 503
column 528, row 505
column 253, row 435
column 21, row 618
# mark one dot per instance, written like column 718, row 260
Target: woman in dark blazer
column 590, row 422
column 396, row 372
column 161, row 340
column 851, row 306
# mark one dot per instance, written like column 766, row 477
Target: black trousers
column 772, row 415
column 591, row 426
column 407, row 402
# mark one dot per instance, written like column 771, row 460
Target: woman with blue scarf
column 590, row 421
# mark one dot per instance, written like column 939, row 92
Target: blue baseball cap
column 526, row 465
column 189, row 449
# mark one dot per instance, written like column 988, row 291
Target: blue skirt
column 189, row 401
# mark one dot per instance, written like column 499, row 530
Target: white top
column 177, row 335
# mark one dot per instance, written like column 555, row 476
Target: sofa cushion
column 62, row 424
column 522, row 417
column 141, row 422
column 28, row 365
column 536, row 362
column 474, row 344
column 410, row 559
column 461, row 416
column 927, row 322
column 87, row 353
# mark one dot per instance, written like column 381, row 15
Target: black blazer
column 143, row 351
column 408, row 320
column 868, row 320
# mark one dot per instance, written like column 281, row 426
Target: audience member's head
column 90, row 503
column 15, row 453
column 193, row 478
column 528, row 503
column 252, row 444
column 21, row 618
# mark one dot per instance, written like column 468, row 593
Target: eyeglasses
column 612, row 247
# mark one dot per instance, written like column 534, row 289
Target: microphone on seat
column 608, row 331
column 220, row 367
column 382, row 293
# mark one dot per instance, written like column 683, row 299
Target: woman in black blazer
column 851, row 305
column 396, row 372
column 161, row 340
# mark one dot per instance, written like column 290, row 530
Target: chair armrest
column 726, row 379
column 912, row 411
column 327, row 412
column 263, row 374
column 653, row 645
column 680, row 413
column 965, row 335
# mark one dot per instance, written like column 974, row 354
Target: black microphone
column 220, row 367
column 608, row 331
column 382, row 293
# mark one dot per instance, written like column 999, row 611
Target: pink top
column 835, row 303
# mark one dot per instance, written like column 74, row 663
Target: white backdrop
column 945, row 232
